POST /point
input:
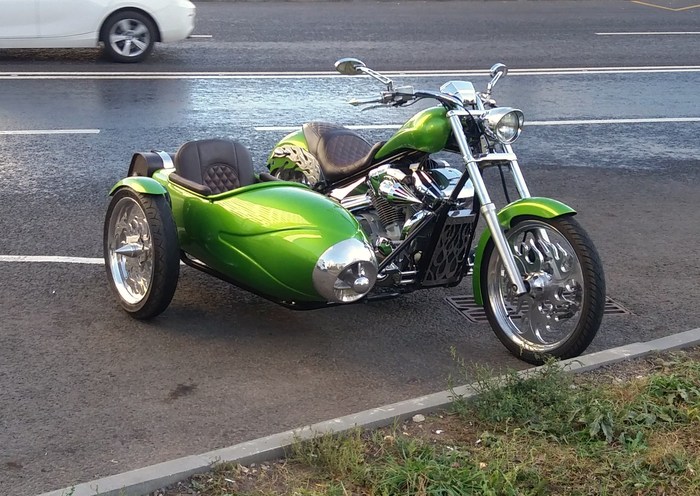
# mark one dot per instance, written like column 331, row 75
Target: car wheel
column 128, row 36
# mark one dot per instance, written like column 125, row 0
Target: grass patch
column 629, row 429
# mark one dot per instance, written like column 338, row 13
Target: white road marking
column 51, row 131
column 200, row 36
column 327, row 75
column 650, row 33
column 612, row 121
column 581, row 122
column 51, row 259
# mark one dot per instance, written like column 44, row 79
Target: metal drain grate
column 466, row 305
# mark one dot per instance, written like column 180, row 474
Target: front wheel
column 141, row 252
column 561, row 313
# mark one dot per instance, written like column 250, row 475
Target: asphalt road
column 85, row 391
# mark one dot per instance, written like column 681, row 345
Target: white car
column 127, row 28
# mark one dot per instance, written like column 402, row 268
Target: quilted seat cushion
column 340, row 151
column 219, row 165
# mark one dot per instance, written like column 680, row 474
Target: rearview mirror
column 349, row 66
column 499, row 69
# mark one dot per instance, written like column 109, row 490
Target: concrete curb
column 144, row 480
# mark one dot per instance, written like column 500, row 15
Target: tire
column 128, row 36
column 144, row 275
column 562, row 312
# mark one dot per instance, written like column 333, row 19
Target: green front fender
column 545, row 208
column 140, row 184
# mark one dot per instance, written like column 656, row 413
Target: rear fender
column 545, row 208
column 140, row 184
column 147, row 163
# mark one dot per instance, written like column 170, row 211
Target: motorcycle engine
column 397, row 199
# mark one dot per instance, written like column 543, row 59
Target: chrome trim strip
column 355, row 202
column 497, row 157
column 464, row 113
column 167, row 160
column 342, row 193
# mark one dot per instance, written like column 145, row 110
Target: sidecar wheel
column 561, row 314
column 141, row 252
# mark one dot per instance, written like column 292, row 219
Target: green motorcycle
column 534, row 269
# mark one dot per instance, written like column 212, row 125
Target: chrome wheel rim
column 545, row 317
column 130, row 251
column 129, row 37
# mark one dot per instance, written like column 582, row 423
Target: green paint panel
column 427, row 131
column 545, row 208
column 268, row 235
column 139, row 184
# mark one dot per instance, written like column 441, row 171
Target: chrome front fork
column 488, row 209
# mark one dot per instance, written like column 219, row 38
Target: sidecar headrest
column 218, row 165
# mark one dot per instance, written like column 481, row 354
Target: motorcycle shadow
column 208, row 308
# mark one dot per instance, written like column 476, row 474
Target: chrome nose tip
column 361, row 285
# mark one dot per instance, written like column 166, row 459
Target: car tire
column 128, row 36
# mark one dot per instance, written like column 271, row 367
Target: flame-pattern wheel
column 560, row 314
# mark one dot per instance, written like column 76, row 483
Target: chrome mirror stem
column 379, row 77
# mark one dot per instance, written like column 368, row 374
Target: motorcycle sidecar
column 205, row 206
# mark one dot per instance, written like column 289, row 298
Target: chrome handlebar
column 394, row 98
column 405, row 95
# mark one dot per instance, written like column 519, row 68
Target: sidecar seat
column 213, row 166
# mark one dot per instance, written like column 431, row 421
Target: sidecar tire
column 586, row 287
column 145, row 279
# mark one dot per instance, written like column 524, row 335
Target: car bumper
column 177, row 22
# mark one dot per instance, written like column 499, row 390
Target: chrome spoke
column 140, row 30
column 139, row 44
column 126, row 48
column 124, row 25
column 130, row 250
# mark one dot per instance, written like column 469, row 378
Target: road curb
column 144, row 480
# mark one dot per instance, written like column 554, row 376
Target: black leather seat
column 340, row 151
column 213, row 166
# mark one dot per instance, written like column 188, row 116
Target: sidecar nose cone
column 361, row 285
column 346, row 271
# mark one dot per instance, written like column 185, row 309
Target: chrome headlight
column 503, row 124
column 346, row 271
